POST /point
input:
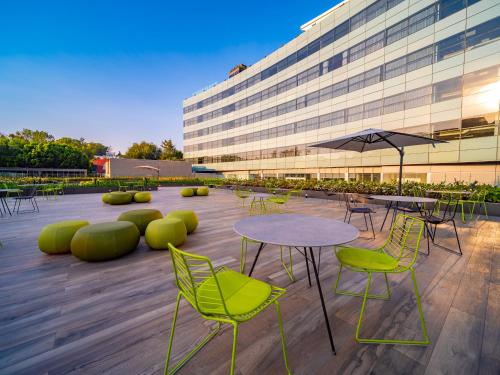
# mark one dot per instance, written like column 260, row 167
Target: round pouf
column 141, row 218
column 142, row 197
column 188, row 217
column 202, row 191
column 160, row 232
column 132, row 193
column 119, row 197
column 106, row 197
column 105, row 241
column 187, row 192
column 56, row 238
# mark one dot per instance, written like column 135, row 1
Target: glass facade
column 432, row 69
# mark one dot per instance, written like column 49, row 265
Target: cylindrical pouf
column 141, row 218
column 187, row 192
column 132, row 192
column 56, row 238
column 119, row 197
column 105, row 241
column 142, row 197
column 188, row 217
column 160, row 232
column 106, row 197
column 202, row 191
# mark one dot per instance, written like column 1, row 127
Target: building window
column 355, row 113
column 480, row 126
column 395, row 68
column 445, row 90
column 373, row 109
column 356, row 82
column 418, row 97
column 394, row 103
column 397, row 32
column 419, row 59
column 483, row 33
column 451, row 46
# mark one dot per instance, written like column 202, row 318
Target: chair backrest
column 347, row 199
column 241, row 193
column 404, row 239
column 447, row 208
column 191, row 272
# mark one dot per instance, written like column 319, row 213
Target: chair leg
column 425, row 341
column 282, row 335
column 288, row 269
column 307, row 267
column 243, row 254
column 195, row 350
column 349, row 221
column 456, row 235
column 485, row 210
column 366, row 222
column 233, row 352
column 371, row 223
column 385, row 296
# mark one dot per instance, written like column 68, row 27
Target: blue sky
column 116, row 72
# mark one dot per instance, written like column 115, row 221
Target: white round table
column 298, row 231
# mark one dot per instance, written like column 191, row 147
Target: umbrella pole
column 401, row 157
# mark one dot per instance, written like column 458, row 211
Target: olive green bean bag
column 163, row 231
column 142, row 197
column 118, row 197
column 105, row 241
column 56, row 238
column 141, row 218
column 202, row 191
column 187, row 192
column 189, row 217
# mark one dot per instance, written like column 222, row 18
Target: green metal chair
column 397, row 255
column 242, row 194
column 278, row 201
column 296, row 193
column 478, row 198
column 221, row 295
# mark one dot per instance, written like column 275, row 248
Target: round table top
column 296, row 230
column 262, row 195
column 9, row 190
column 403, row 198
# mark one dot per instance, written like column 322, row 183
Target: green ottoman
column 132, row 193
column 56, row 238
column 142, row 197
column 106, row 197
column 141, row 218
column 187, row 192
column 119, row 197
column 202, row 191
column 188, row 217
column 160, row 232
column 105, row 241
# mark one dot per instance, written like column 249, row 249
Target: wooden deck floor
column 59, row 315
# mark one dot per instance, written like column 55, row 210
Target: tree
column 143, row 150
column 91, row 149
column 169, row 152
column 33, row 135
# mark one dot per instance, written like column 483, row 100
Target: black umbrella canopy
column 378, row 139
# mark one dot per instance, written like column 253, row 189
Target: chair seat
column 434, row 219
column 276, row 200
column 361, row 210
column 241, row 293
column 366, row 259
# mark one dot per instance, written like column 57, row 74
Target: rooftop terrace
column 59, row 315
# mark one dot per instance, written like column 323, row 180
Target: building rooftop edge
column 322, row 16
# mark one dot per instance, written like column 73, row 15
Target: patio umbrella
column 151, row 168
column 377, row 139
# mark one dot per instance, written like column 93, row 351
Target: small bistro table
column 298, row 231
column 395, row 200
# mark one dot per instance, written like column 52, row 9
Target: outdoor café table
column 298, row 231
column 397, row 199
column 260, row 198
column 461, row 193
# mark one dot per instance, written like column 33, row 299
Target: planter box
column 95, row 189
